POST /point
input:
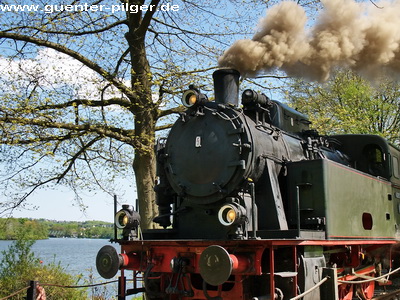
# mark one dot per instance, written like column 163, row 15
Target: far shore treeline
column 37, row 229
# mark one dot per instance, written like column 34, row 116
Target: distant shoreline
column 40, row 229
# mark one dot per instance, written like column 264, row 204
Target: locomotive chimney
column 226, row 86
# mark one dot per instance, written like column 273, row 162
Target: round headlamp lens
column 192, row 99
column 125, row 220
column 230, row 215
column 227, row 215
column 189, row 98
column 121, row 219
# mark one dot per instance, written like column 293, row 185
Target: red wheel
column 366, row 290
column 345, row 292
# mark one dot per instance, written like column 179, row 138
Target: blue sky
column 58, row 202
column 60, row 205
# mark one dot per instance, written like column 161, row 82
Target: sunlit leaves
column 350, row 104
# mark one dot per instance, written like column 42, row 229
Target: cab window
column 395, row 163
column 375, row 160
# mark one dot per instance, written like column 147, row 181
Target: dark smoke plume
column 360, row 36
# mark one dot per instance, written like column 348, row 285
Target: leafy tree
column 350, row 104
column 86, row 86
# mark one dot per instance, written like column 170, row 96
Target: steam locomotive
column 256, row 205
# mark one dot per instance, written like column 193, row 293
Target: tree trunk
column 145, row 112
column 145, row 171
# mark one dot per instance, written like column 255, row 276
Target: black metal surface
column 202, row 157
column 226, row 86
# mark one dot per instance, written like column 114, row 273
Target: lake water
column 76, row 256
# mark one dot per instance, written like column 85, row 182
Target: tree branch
column 79, row 57
column 126, row 136
column 53, row 138
column 163, row 127
column 174, row 110
column 144, row 25
column 92, row 103
column 76, row 155
column 69, row 33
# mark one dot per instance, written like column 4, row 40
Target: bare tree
column 85, row 87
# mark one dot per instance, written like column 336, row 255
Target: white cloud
column 54, row 70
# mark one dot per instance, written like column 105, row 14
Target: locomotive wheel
column 345, row 292
column 366, row 290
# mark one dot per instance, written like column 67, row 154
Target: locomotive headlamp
column 230, row 214
column 193, row 97
column 127, row 218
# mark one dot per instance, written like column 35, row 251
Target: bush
column 19, row 265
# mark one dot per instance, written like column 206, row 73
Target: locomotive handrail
column 311, row 289
column 77, row 286
column 369, row 280
column 224, row 116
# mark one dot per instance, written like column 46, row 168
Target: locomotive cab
column 372, row 154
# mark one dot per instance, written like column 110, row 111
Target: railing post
column 329, row 290
column 121, row 287
column 31, row 292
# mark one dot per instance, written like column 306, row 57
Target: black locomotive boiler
column 255, row 205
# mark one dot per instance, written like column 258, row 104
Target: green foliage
column 88, row 229
column 33, row 229
column 19, row 265
column 349, row 104
column 43, row 229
